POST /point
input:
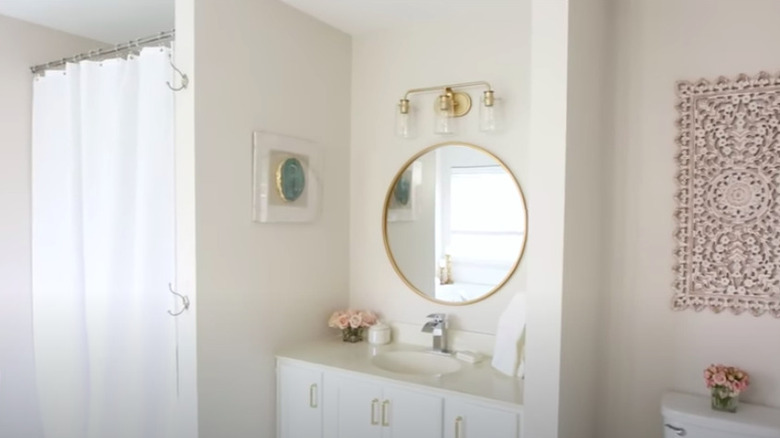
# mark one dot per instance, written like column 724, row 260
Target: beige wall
column 21, row 46
column 384, row 65
column 260, row 64
column 651, row 348
column 546, row 201
column 585, row 268
column 186, row 243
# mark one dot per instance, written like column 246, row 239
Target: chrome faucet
column 438, row 327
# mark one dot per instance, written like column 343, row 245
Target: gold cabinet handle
column 385, row 420
column 458, row 426
column 374, row 404
column 313, row 395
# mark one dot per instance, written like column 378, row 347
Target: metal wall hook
column 184, row 299
column 184, row 79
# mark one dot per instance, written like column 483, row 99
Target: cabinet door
column 300, row 399
column 358, row 408
column 410, row 414
column 464, row 419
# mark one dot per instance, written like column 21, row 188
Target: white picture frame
column 269, row 152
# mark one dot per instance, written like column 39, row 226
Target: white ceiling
column 360, row 16
column 109, row 21
column 117, row 21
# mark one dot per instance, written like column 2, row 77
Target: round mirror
column 455, row 223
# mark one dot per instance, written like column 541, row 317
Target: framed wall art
column 728, row 199
column 286, row 183
column 402, row 201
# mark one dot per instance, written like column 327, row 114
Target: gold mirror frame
column 389, row 253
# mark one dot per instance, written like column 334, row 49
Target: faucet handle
column 438, row 317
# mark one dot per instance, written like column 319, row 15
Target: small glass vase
column 352, row 335
column 724, row 400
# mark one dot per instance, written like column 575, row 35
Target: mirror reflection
column 455, row 223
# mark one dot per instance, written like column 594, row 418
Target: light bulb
column 444, row 121
column 488, row 113
column 404, row 125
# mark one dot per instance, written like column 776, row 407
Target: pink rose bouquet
column 351, row 323
column 725, row 383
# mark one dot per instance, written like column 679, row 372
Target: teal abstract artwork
column 291, row 179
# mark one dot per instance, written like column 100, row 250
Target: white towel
column 508, row 351
column 521, row 367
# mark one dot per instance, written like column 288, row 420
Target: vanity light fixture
column 449, row 106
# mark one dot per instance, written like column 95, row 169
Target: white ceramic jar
column 379, row 334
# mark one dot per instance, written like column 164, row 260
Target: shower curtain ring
column 184, row 79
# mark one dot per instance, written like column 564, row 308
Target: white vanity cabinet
column 475, row 419
column 364, row 408
column 299, row 400
column 325, row 395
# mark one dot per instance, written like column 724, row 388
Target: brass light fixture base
column 461, row 103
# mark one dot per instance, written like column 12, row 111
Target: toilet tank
column 691, row 416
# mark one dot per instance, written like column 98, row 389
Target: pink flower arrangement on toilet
column 725, row 384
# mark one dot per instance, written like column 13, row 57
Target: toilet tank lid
column 749, row 420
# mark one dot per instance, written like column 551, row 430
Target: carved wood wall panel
column 728, row 205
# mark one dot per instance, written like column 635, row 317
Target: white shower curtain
column 103, row 248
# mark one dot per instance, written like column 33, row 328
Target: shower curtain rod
column 100, row 53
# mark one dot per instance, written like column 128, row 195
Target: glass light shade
column 444, row 122
column 490, row 115
column 404, row 122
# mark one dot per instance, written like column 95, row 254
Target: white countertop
column 479, row 380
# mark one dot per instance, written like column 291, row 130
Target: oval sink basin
column 416, row 362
